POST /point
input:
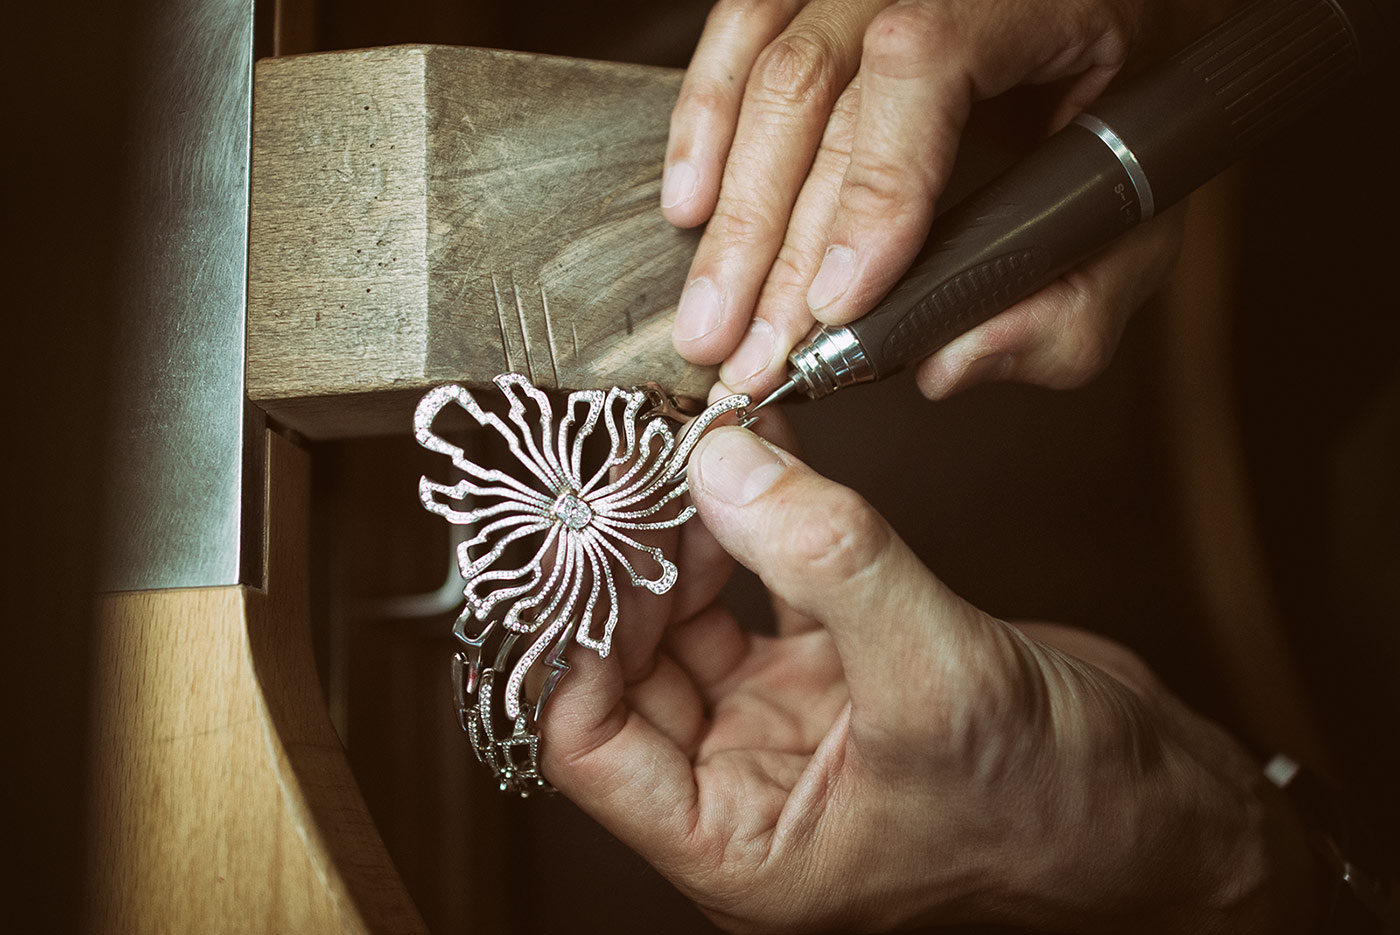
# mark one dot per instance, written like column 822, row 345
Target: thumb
column 904, row 638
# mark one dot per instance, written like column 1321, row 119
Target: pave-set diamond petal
column 575, row 526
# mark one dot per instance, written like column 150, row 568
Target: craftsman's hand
column 816, row 137
column 895, row 756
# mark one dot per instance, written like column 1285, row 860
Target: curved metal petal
column 598, row 566
column 542, row 452
column 433, row 403
column 571, row 455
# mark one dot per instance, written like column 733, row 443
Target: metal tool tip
column 782, row 391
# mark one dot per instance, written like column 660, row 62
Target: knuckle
column 1094, row 350
column 901, row 38
column 840, row 539
column 744, row 15
column 737, row 223
column 847, row 109
column 990, row 700
column 1115, row 42
column 833, row 156
column 878, row 188
column 782, row 300
column 1128, row 28
column 1020, row 333
column 795, row 70
column 834, row 153
column 1087, row 346
column 791, row 269
column 703, row 95
column 838, row 137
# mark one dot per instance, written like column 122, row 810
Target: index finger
column 702, row 123
column 794, row 84
column 615, row 764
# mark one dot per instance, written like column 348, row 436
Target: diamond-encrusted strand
column 567, row 588
column 698, row 426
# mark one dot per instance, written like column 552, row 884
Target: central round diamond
column 572, row 511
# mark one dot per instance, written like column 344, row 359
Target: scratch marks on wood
column 570, row 205
column 501, row 323
column 535, row 327
column 615, row 354
column 530, row 345
column 524, row 333
column 549, row 336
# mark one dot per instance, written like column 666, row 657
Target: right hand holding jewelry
column 894, row 756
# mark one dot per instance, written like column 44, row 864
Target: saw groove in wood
column 423, row 214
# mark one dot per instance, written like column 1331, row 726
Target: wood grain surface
column 222, row 799
column 424, row 214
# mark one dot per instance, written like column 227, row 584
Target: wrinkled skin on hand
column 815, row 139
column 894, row 755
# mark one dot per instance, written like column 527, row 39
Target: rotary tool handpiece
column 1135, row 152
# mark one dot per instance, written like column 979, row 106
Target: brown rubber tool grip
column 1180, row 124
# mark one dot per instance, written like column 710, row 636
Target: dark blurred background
column 1060, row 506
column 64, row 107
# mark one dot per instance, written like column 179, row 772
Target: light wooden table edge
column 222, row 799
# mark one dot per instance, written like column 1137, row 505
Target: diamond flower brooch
column 549, row 537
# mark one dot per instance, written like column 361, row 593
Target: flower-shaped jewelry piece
column 571, row 526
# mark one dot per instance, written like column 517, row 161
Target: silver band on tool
column 1125, row 157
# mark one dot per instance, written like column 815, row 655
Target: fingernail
column 753, row 355
column 678, row 183
column 718, row 392
column 736, row 467
column 698, row 313
column 832, row 278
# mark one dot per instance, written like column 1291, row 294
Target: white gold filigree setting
column 585, row 526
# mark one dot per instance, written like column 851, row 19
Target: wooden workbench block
column 423, row 214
